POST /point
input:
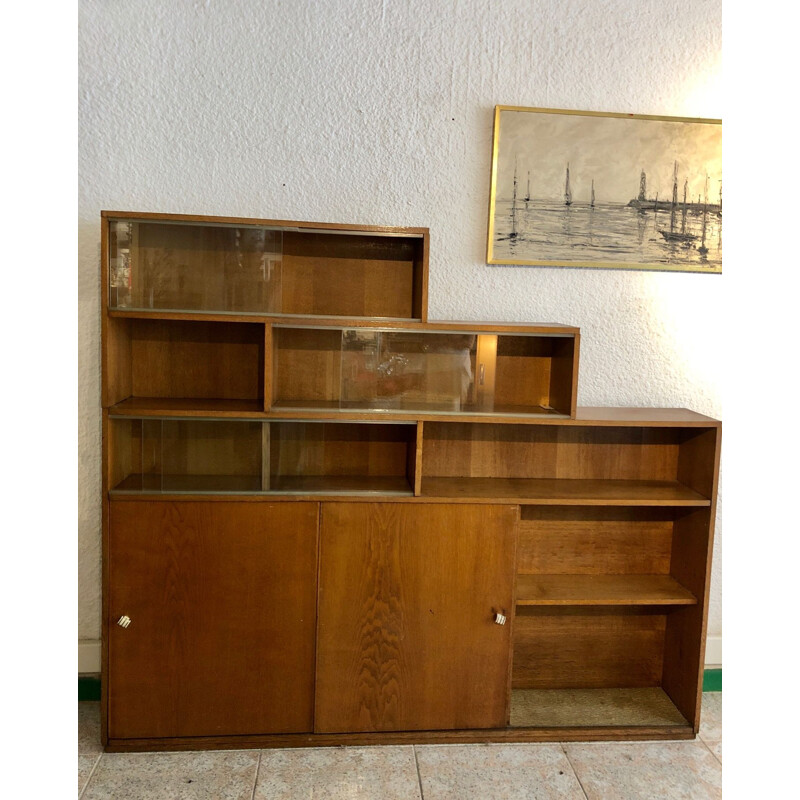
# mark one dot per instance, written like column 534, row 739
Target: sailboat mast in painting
column 514, row 205
column 567, row 190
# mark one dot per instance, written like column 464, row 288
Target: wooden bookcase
column 329, row 520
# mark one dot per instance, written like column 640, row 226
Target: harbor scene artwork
column 589, row 189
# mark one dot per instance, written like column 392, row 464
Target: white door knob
column 124, row 621
column 499, row 618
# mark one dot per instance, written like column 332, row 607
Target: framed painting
column 590, row 189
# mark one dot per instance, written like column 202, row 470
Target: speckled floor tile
column 711, row 717
column 174, row 776
column 85, row 766
column 336, row 773
column 89, row 728
column 639, row 771
column 496, row 772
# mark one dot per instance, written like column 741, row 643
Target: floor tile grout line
column 255, row 780
column 419, row 777
column 574, row 771
column 708, row 747
column 89, row 777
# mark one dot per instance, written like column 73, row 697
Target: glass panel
column 184, row 267
column 403, row 370
column 185, row 456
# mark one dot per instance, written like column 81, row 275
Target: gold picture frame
column 605, row 191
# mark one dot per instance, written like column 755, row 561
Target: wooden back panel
column 305, row 449
column 307, row 365
column 455, row 449
column 171, row 358
column 349, row 275
column 583, row 648
column 580, row 540
column 523, row 370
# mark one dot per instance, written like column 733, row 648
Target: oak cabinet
column 330, row 520
column 218, row 608
column 402, row 589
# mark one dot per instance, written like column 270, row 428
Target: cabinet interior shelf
column 187, row 407
column 417, row 409
column 601, row 590
column 379, row 485
column 564, row 491
column 557, row 708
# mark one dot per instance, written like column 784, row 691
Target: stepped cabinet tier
column 330, row 520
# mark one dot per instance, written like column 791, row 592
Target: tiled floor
column 615, row 771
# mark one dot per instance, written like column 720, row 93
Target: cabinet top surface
column 640, row 416
column 338, row 322
column 287, row 224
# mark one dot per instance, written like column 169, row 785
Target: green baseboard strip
column 88, row 688
column 712, row 680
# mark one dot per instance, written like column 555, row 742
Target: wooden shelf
column 341, row 484
column 601, row 590
column 324, row 408
column 563, row 492
column 535, row 708
column 188, row 484
column 244, row 484
column 187, row 407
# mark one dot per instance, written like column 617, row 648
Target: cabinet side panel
column 221, row 597
column 563, row 375
column 686, row 628
column 407, row 638
column 420, row 306
column 697, row 460
column 117, row 372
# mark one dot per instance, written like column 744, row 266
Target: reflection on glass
column 417, row 371
column 184, row 267
column 186, row 456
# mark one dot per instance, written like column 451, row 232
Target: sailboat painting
column 615, row 191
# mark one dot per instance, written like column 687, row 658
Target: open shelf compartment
column 221, row 456
column 164, row 365
column 249, row 267
column 425, row 372
column 568, row 464
column 606, row 600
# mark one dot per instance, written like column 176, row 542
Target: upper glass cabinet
column 218, row 267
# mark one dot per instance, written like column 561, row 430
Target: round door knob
column 124, row 621
column 499, row 618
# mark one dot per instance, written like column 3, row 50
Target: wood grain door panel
column 406, row 634
column 222, row 602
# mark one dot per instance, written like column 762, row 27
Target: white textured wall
column 381, row 113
